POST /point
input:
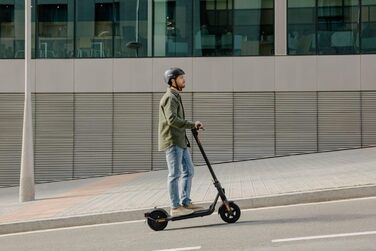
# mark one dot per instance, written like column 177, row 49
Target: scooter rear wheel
column 157, row 220
column 229, row 217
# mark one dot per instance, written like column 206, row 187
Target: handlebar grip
column 194, row 131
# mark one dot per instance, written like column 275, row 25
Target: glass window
column 253, row 27
column 368, row 26
column 55, row 28
column 301, row 27
column 172, row 28
column 338, row 26
column 132, row 28
column 94, row 28
column 213, row 28
column 12, row 31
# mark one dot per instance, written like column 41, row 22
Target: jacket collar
column 173, row 91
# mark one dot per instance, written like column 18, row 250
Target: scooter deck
column 199, row 213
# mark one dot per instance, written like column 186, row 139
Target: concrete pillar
column 280, row 24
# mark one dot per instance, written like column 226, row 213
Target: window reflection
column 55, row 29
column 213, row 28
column 94, row 28
column 337, row 29
column 132, row 28
column 172, row 28
column 7, row 30
column 368, row 26
column 11, row 29
column 139, row 28
column 253, row 27
column 301, row 34
column 234, row 27
column 338, row 26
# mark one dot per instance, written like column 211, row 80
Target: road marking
column 180, row 249
column 308, row 204
column 324, row 236
column 69, row 228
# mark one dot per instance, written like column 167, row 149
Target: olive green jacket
column 172, row 122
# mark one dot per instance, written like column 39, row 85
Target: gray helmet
column 172, row 73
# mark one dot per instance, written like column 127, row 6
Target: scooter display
column 158, row 218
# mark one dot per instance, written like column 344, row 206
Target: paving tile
column 257, row 178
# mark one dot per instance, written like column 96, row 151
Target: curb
column 80, row 220
column 309, row 197
column 255, row 202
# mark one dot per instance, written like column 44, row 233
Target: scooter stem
column 217, row 184
column 195, row 135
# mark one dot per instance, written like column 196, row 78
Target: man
column 173, row 140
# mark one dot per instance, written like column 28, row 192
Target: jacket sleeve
column 170, row 109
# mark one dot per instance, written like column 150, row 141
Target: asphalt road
column 340, row 225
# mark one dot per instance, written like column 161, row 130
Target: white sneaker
column 180, row 211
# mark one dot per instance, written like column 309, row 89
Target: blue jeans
column 180, row 165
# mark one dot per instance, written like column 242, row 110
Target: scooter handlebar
column 195, row 130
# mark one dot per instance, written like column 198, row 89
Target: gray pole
column 27, row 190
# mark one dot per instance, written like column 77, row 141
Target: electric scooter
column 158, row 218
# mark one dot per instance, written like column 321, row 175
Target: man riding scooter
column 173, row 140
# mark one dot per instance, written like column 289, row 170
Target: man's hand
column 199, row 125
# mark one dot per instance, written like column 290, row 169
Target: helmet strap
column 176, row 87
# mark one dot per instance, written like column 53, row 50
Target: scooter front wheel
column 157, row 220
column 232, row 216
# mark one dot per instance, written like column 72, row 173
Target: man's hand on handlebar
column 199, row 125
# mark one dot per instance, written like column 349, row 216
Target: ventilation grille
column 339, row 120
column 54, row 137
column 11, row 116
column 369, row 118
column 132, row 132
column 93, row 135
column 296, row 122
column 253, row 125
column 159, row 159
column 215, row 110
column 80, row 135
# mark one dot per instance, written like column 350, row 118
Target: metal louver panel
column 80, row 135
column 339, row 120
column 369, row 118
column 33, row 98
column 215, row 110
column 132, row 132
column 54, row 137
column 11, row 117
column 159, row 159
column 253, row 125
column 296, row 122
column 93, row 134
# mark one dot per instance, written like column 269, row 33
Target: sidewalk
column 257, row 183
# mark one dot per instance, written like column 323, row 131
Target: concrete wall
column 85, row 122
column 218, row 74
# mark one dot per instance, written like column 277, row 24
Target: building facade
column 268, row 78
